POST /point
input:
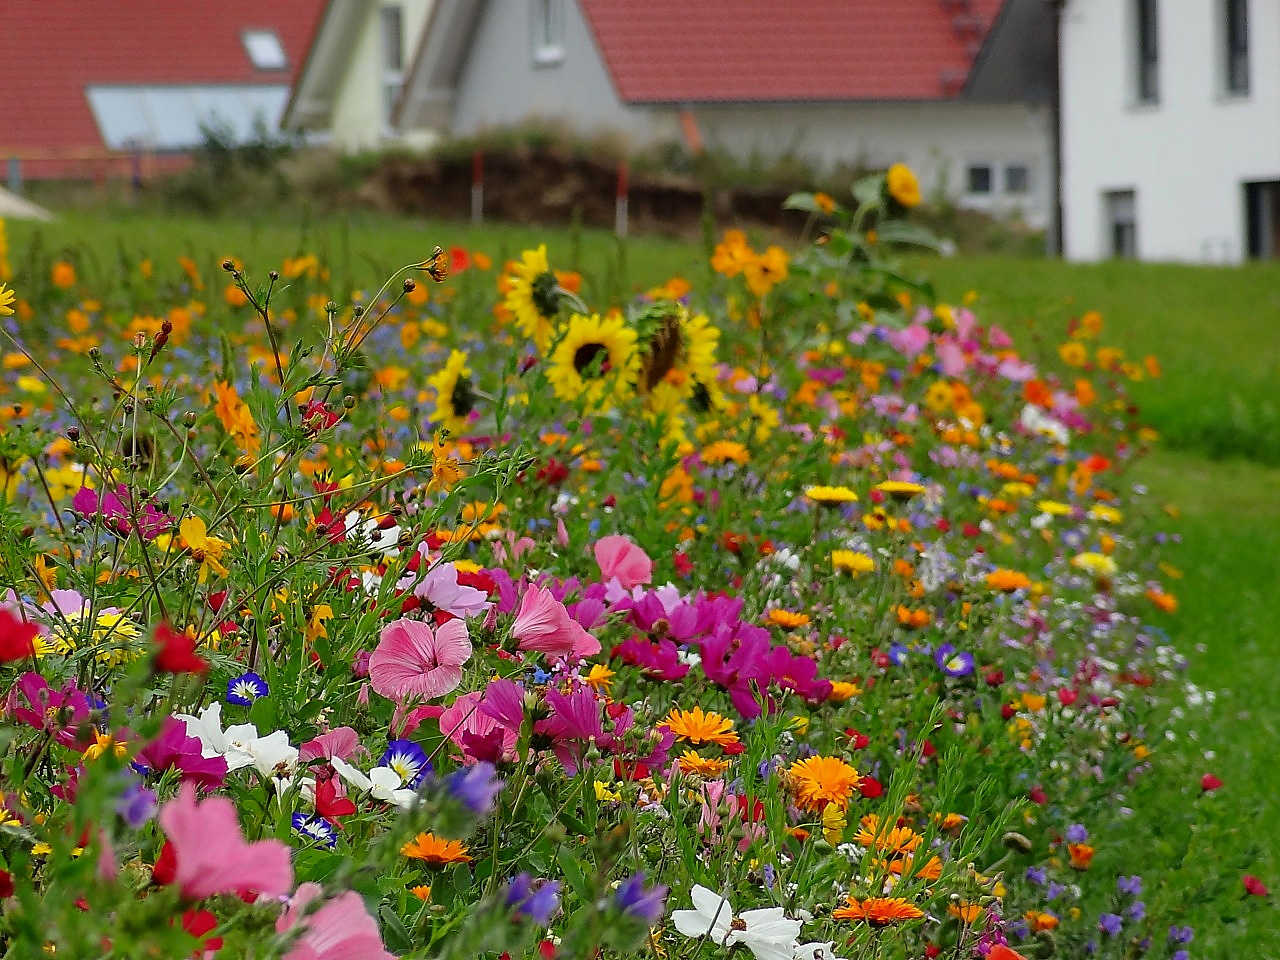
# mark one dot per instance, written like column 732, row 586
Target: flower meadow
column 795, row 616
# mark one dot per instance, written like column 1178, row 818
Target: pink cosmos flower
column 620, row 558
column 210, row 852
column 413, row 660
column 441, row 589
column 340, row 930
column 543, row 624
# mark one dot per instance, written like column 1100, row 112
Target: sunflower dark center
column 463, row 397
column 546, row 294
column 701, row 399
column 591, row 359
column 664, row 352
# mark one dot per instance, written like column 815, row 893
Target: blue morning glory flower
column 475, row 787
column 316, row 828
column 408, row 760
column 953, row 662
column 246, row 688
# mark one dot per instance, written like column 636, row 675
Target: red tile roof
column 664, row 51
column 53, row 50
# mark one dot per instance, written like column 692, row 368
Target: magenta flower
column 340, row 742
column 622, row 560
column 475, row 732
column 211, row 855
column 440, row 588
column 175, row 749
column 62, row 712
column 413, row 660
column 340, row 930
column 544, row 625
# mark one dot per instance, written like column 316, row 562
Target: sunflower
column 455, row 397
column 533, row 296
column 594, row 361
column 902, row 186
column 817, row 781
column 878, row 911
column 679, row 349
column 434, row 852
column 699, row 728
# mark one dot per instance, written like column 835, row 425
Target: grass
column 1208, row 328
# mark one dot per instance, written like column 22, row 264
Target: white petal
column 351, row 774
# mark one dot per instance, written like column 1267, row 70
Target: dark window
column 1122, row 223
column 1148, row 52
column 1236, row 34
column 1262, row 219
column 1017, row 179
column 980, row 179
column 392, row 21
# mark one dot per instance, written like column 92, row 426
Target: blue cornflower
column 634, row 900
column 538, row 902
column 1181, row 934
column 316, row 828
column 1137, row 910
column 475, row 787
column 246, row 688
column 408, row 760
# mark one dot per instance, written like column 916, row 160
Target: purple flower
column 1076, row 833
column 1137, row 910
column 1054, row 891
column 1130, row 885
column 175, row 749
column 136, row 804
column 1181, row 955
column 953, row 662
column 1037, row 875
column 316, row 828
column 644, row 904
column 1110, row 923
column 1181, row 934
column 533, row 899
column 475, row 787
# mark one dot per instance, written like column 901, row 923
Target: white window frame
column 392, row 75
column 547, row 27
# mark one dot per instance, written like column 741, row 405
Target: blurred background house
column 129, row 87
column 1171, row 129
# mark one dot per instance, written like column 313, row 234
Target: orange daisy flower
column 691, row 762
column 434, row 852
column 817, row 781
column 698, row 728
column 879, row 911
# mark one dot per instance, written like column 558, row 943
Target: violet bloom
column 137, row 803
column 63, row 712
column 657, row 659
column 953, row 662
column 1037, row 875
column 1181, row 935
column 1110, row 924
column 537, row 901
column 1130, row 885
column 475, row 787
column 441, row 589
column 1076, row 833
column 645, row 905
column 116, row 510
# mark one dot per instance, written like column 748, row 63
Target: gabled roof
column 311, row 101
column 56, row 52
column 705, row 51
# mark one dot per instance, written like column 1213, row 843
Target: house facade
column 957, row 89
column 354, row 75
column 1171, row 129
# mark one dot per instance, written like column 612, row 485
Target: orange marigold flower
column 786, row 619
column 898, row 839
column 879, row 911
column 1081, row 855
column 817, row 781
column 1007, row 581
column 709, row 767
column 698, row 727
column 1040, row 921
column 434, row 852
column 965, row 912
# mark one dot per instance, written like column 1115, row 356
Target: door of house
column 1262, row 219
column 1122, row 223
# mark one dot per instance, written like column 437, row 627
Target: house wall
column 358, row 122
column 1186, row 157
column 939, row 140
column 502, row 85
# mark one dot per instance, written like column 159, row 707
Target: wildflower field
column 484, row 607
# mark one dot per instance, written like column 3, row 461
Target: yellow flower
column 786, row 619
column 833, row 823
column 766, row 271
column 102, row 743
column 824, row 202
column 732, row 254
column 236, row 418
column 1073, row 353
column 446, row 470
column 830, row 496
column 902, row 185
column 680, row 352
column 723, row 451
column 594, row 362
column 1007, row 581
column 693, row 763
column 1098, row 564
column 900, row 489
column 599, row 678
column 605, row 795
column 455, row 397
column 7, row 297
column 205, row 550
column 851, row 561
column 533, row 296
column 817, row 781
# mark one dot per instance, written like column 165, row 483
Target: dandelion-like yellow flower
column 7, row 297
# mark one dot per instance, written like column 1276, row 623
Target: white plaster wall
column 937, row 140
column 1186, row 157
column 357, row 110
column 502, row 86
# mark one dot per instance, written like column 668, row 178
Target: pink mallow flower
column 211, row 855
column 619, row 558
column 414, row 660
column 544, row 625
column 340, row 930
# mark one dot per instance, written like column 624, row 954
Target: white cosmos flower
column 766, row 932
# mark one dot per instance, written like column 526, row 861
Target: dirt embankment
column 544, row 186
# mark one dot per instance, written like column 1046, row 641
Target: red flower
column 329, row 805
column 684, row 566
column 6, row 884
column 1209, row 782
column 1037, row 795
column 177, row 652
column 870, row 787
column 16, row 638
column 1254, row 886
column 166, row 867
column 198, row 923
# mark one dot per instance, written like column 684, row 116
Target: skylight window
column 264, row 50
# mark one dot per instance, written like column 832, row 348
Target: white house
column 958, row 89
column 1171, row 129
column 354, row 74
